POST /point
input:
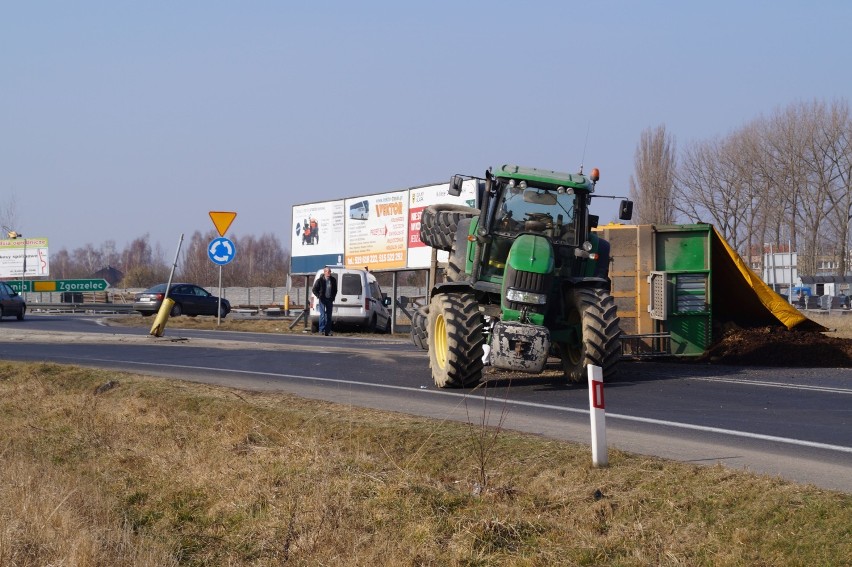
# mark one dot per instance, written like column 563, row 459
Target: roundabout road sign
column 221, row 251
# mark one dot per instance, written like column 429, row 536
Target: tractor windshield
column 538, row 211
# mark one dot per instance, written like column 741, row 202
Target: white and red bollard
column 597, row 413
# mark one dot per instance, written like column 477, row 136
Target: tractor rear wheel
column 438, row 224
column 455, row 340
column 593, row 313
column 457, row 262
column 419, row 323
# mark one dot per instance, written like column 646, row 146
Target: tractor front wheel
column 455, row 340
column 592, row 312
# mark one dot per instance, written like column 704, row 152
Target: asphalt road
column 792, row 423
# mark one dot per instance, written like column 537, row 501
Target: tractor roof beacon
column 526, row 279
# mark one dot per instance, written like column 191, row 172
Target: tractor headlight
column 520, row 296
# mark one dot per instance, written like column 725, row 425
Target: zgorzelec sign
column 60, row 285
column 78, row 285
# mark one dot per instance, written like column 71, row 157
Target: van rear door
column 350, row 291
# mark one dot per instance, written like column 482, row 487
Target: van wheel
column 388, row 327
column 371, row 326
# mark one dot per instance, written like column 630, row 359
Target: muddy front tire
column 593, row 312
column 455, row 340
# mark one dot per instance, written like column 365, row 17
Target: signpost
column 597, row 415
column 221, row 250
column 59, row 285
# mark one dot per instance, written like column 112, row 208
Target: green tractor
column 526, row 280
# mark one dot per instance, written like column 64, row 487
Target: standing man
column 325, row 290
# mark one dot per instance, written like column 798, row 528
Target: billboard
column 420, row 255
column 317, row 237
column 376, row 230
column 379, row 232
column 12, row 258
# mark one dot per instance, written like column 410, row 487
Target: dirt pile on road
column 778, row 346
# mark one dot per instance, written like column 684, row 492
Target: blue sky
column 124, row 118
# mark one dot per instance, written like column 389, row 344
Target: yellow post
column 162, row 317
column 286, row 305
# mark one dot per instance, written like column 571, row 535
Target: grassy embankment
column 158, row 472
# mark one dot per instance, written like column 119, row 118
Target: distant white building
column 826, row 285
column 780, row 270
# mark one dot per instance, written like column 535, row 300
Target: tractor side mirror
column 455, row 185
column 625, row 210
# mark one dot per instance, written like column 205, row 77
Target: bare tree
column 9, row 215
column 652, row 185
column 271, row 262
column 196, row 266
column 832, row 149
column 142, row 266
column 786, row 178
column 710, row 190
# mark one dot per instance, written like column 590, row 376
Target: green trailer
column 678, row 286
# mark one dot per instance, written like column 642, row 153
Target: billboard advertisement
column 12, row 258
column 317, row 237
column 376, row 231
column 420, row 255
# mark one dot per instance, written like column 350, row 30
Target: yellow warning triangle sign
column 222, row 220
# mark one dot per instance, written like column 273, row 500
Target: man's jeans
column 325, row 307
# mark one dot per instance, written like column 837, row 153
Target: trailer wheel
column 438, row 224
column 455, row 340
column 593, row 313
column 419, row 323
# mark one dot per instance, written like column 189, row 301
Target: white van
column 359, row 302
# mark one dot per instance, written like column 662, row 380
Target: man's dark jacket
column 319, row 287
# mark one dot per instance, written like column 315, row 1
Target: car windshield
column 159, row 288
column 538, row 211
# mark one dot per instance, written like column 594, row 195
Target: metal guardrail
column 80, row 307
column 127, row 308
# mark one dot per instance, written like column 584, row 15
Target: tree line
column 259, row 262
column 783, row 179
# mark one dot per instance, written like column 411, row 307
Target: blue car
column 11, row 302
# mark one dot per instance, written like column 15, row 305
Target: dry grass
column 257, row 324
column 157, row 472
column 839, row 324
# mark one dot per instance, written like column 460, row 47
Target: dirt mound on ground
column 778, row 346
